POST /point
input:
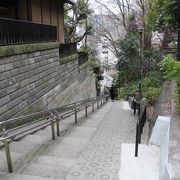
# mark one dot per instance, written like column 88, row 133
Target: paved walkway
column 89, row 150
column 101, row 158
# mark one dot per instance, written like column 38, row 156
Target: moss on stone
column 69, row 59
column 83, row 66
column 26, row 48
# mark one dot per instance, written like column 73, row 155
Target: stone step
column 29, row 144
column 36, row 154
column 67, row 147
column 16, row 160
column 23, row 151
column 81, row 132
column 51, row 170
column 4, row 176
column 52, row 160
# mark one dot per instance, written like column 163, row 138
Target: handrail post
column 137, row 140
column 7, row 151
column 139, row 109
column 107, row 98
column 52, row 127
column 92, row 106
column 97, row 103
column 75, row 114
column 139, row 131
column 135, row 106
column 86, row 110
column 57, row 125
column 101, row 101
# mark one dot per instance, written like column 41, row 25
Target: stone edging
column 26, row 48
column 83, row 66
column 69, row 59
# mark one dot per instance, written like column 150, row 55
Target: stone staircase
column 37, row 157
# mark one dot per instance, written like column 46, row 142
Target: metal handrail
column 50, row 117
column 138, row 104
column 140, row 122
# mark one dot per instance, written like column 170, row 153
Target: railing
column 67, row 49
column 33, row 122
column 21, row 32
column 140, row 123
column 141, row 107
column 83, row 58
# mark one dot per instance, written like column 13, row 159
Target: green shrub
column 171, row 69
column 151, row 95
column 152, row 79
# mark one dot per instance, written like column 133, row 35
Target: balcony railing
column 21, row 32
column 83, row 58
column 67, row 49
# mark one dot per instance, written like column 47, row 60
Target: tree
column 80, row 11
column 128, row 64
column 161, row 17
column 94, row 67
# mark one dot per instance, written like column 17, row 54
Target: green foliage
column 128, row 57
column 151, row 94
column 94, row 66
column 161, row 13
column 151, row 59
column 152, row 79
column 129, row 48
column 171, row 69
column 81, row 10
column 151, row 84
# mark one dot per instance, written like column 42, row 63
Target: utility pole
column 178, row 21
column 140, row 62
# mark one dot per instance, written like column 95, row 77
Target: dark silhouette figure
column 112, row 93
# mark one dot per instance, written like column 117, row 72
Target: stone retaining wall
column 36, row 80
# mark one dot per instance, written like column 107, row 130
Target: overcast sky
column 98, row 9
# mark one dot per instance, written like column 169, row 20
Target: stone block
column 2, row 61
column 4, row 84
column 17, row 64
column 38, row 59
column 34, row 78
column 38, row 53
column 29, row 61
column 2, row 68
column 31, row 99
column 5, row 75
column 15, row 102
column 4, row 100
column 24, row 69
column 18, row 93
column 30, row 86
column 19, row 77
column 12, row 81
column 3, row 92
column 22, row 105
column 42, row 53
column 12, row 88
column 14, row 72
column 10, row 113
column 8, row 67
column 29, row 74
column 3, row 109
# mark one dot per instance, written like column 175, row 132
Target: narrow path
column 101, row 158
column 90, row 149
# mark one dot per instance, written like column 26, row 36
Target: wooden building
column 45, row 12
